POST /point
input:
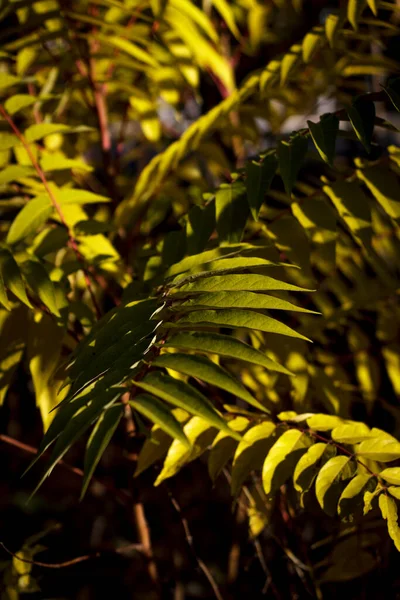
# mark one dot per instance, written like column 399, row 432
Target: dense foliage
column 200, row 256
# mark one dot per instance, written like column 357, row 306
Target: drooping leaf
column 98, row 442
column 259, row 179
column 184, row 396
column 231, row 210
column 309, row 464
column 200, row 435
column 14, row 335
column 44, row 346
column 11, row 276
column 224, row 446
column 40, row 282
column 156, row 411
column 281, row 459
column 157, row 444
column 251, row 452
column 384, row 186
column 29, row 219
column 388, row 508
column 204, row 369
column 324, row 136
column 223, row 345
column 362, row 117
column 354, row 10
column 393, row 91
column 328, row 482
column 290, row 158
column 234, row 319
column 352, row 497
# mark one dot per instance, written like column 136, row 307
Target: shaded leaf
column 324, row 136
column 98, row 442
column 259, row 179
column 158, row 413
column 184, row 396
column 290, row 158
column 282, row 458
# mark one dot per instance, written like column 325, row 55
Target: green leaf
column 238, row 300
column 324, row 136
column 250, row 453
column 231, row 212
column 388, row 508
column 223, row 345
column 40, row 282
column 362, row 118
column 352, row 497
column 14, row 173
column 351, row 433
column 311, row 43
column 373, row 4
column 156, row 411
column 324, row 422
column 391, row 475
column 222, row 267
column 309, row 464
column 11, row 275
column 354, row 10
column 224, row 446
column 393, row 91
column 384, row 186
column 200, row 435
column 40, row 130
column 70, row 425
column 98, row 442
column 205, row 370
column 184, row 396
column 200, row 225
column 18, row 102
column 131, row 49
column 258, row 182
column 8, row 140
column 282, row 458
column 232, row 283
column 44, row 345
column 380, row 448
column 290, row 158
column 8, row 80
column 91, row 227
column 233, row 319
column 327, row 485
column 394, row 491
column 29, row 219
column 14, row 335
column 156, row 446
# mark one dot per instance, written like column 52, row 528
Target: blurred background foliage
column 135, row 112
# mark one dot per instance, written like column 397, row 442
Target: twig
column 189, row 539
column 121, row 494
column 72, row 241
column 73, row 561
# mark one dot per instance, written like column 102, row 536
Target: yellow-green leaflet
column 282, row 458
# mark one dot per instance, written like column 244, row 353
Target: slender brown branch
column 73, row 561
column 189, row 539
column 72, row 241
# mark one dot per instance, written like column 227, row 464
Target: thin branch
column 189, row 539
column 72, row 241
column 73, row 561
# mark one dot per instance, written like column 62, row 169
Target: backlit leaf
column 327, row 485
